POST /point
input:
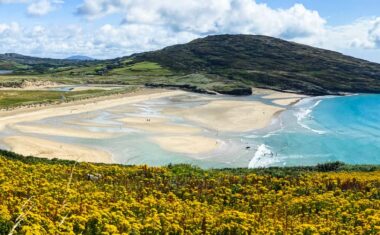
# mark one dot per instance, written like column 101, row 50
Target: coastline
column 217, row 115
column 83, row 106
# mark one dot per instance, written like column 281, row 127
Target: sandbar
column 229, row 115
column 189, row 144
column 38, row 147
column 24, row 115
column 158, row 125
column 283, row 95
column 286, row 101
column 66, row 132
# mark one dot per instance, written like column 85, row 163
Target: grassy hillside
column 228, row 64
column 28, row 65
column 271, row 63
column 60, row 197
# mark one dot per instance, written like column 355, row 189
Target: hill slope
column 229, row 64
column 22, row 64
column 271, row 63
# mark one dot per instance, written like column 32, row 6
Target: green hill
column 271, row 63
column 28, row 65
column 229, row 64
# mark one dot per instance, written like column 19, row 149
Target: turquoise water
column 324, row 129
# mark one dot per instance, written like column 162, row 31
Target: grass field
column 15, row 98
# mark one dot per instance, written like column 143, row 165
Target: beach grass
column 16, row 98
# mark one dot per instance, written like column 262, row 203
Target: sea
column 323, row 129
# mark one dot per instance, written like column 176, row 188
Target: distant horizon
column 94, row 58
column 106, row 29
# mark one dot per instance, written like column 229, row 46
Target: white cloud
column 215, row 16
column 151, row 24
column 37, row 7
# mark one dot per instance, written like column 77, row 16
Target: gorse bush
column 61, row 197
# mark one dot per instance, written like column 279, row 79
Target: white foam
column 305, row 113
column 263, row 157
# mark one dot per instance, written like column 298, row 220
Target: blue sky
column 112, row 28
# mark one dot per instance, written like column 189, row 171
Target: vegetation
column 248, row 60
column 228, row 64
column 14, row 98
column 61, row 197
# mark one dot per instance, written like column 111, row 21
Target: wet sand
column 66, row 132
column 31, row 146
column 34, row 114
column 286, row 101
column 190, row 137
column 229, row 115
column 158, row 125
column 189, row 144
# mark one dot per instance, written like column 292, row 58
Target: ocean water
column 323, row 129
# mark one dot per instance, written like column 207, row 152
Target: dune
column 189, row 144
column 228, row 115
column 38, row 147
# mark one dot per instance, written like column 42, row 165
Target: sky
column 112, row 28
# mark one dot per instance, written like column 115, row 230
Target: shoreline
column 42, row 148
column 82, row 106
column 220, row 115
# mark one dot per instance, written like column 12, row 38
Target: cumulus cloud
column 40, row 8
column 37, row 7
column 151, row 24
column 217, row 16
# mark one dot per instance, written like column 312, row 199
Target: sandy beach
column 158, row 125
column 229, row 115
column 282, row 95
column 189, row 144
column 286, row 101
column 66, row 132
column 33, row 114
column 189, row 136
column 31, row 146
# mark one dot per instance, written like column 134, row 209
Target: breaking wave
column 304, row 113
column 263, row 157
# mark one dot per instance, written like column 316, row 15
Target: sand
column 271, row 94
column 189, row 144
column 219, row 115
column 286, row 101
column 23, row 115
column 158, row 125
column 283, row 95
column 228, row 115
column 66, row 132
column 49, row 149
column 88, row 124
